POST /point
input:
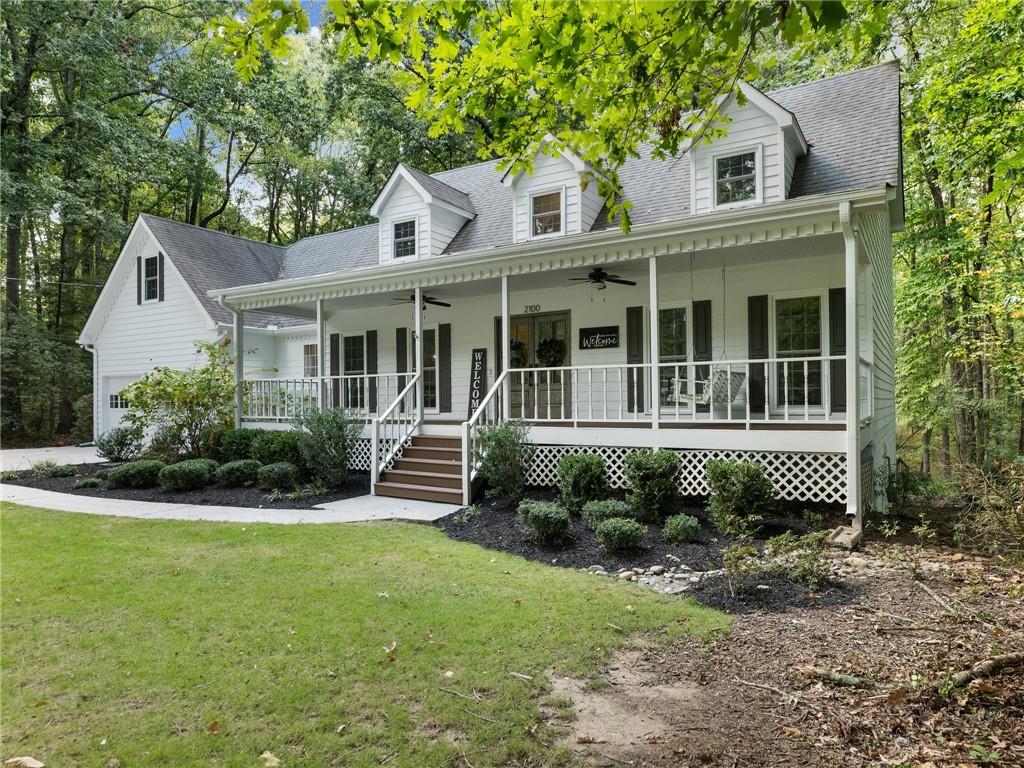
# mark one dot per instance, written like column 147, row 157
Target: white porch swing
column 721, row 387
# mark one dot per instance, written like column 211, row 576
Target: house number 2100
column 529, row 308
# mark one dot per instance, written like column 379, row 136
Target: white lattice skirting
column 796, row 476
column 359, row 461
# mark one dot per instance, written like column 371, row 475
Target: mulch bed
column 497, row 528
column 212, row 495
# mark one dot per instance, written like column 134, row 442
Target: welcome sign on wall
column 477, row 379
column 602, row 337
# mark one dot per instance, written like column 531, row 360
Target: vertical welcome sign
column 477, row 379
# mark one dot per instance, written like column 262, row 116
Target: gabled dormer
column 753, row 163
column 551, row 201
column 418, row 215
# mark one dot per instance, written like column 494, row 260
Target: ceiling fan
column 599, row 278
column 411, row 299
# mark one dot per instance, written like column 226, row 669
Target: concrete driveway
column 25, row 458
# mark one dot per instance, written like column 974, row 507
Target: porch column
column 853, row 500
column 418, row 349
column 321, row 336
column 239, row 344
column 505, row 352
column 655, row 399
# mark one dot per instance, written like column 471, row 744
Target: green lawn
column 176, row 644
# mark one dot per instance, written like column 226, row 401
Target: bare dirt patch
column 862, row 683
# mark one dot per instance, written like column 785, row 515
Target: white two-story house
column 748, row 314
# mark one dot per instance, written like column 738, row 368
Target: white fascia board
column 89, row 330
column 786, row 119
column 710, row 224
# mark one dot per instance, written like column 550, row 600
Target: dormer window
column 736, row 178
column 405, row 239
column 546, row 214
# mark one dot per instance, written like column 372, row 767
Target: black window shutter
column 634, row 354
column 371, row 369
column 401, row 355
column 160, row 277
column 498, row 348
column 702, row 341
column 138, row 280
column 444, row 367
column 837, row 346
column 757, row 348
column 335, row 345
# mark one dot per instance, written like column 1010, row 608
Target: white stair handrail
column 479, row 418
column 397, row 424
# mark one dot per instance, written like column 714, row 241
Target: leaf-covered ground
column 199, row 644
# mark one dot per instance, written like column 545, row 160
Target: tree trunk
column 926, row 453
column 196, row 188
column 945, row 453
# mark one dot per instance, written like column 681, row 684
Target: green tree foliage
column 185, row 404
column 596, row 77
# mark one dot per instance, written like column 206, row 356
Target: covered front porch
column 728, row 345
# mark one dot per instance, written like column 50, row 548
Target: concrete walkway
column 25, row 458
column 358, row 509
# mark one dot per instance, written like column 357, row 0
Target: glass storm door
column 540, row 341
column 353, row 357
column 672, row 381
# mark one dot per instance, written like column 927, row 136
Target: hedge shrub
column 187, row 475
column 548, row 522
column 88, row 482
column 505, row 457
column 740, row 493
column 618, row 534
column 596, row 512
column 236, row 474
column 581, row 478
column 652, row 477
column 120, row 444
column 276, row 446
column 136, row 474
column 327, row 442
column 680, row 529
column 278, row 476
column 236, row 444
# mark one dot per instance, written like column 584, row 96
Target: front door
column 540, row 341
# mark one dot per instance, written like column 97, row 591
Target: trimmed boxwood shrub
column 120, row 444
column 596, row 512
column 620, row 535
column 274, row 446
column 505, row 454
column 740, row 493
column 187, row 475
column 236, row 444
column 679, row 529
column 548, row 522
column 278, row 476
column 581, row 478
column 136, row 474
column 653, row 485
column 236, row 474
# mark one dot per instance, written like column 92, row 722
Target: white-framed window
column 403, row 242
column 353, row 364
column 736, row 178
column 118, row 402
column 310, row 361
column 430, row 391
column 151, row 278
column 546, row 214
column 799, row 330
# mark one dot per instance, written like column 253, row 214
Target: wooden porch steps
column 430, row 470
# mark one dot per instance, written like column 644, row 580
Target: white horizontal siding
column 444, row 226
column 550, row 174
column 749, row 128
column 404, row 203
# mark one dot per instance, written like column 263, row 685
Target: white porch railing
column 363, row 395
column 393, row 427
column 738, row 391
column 488, row 414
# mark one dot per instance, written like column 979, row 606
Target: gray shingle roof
column 437, row 188
column 851, row 122
column 208, row 259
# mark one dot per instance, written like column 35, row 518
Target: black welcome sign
column 602, row 337
column 477, row 379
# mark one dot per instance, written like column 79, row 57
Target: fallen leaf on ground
column 390, row 648
column 213, row 726
column 24, row 762
column 270, row 760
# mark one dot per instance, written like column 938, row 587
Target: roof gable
column 429, row 188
